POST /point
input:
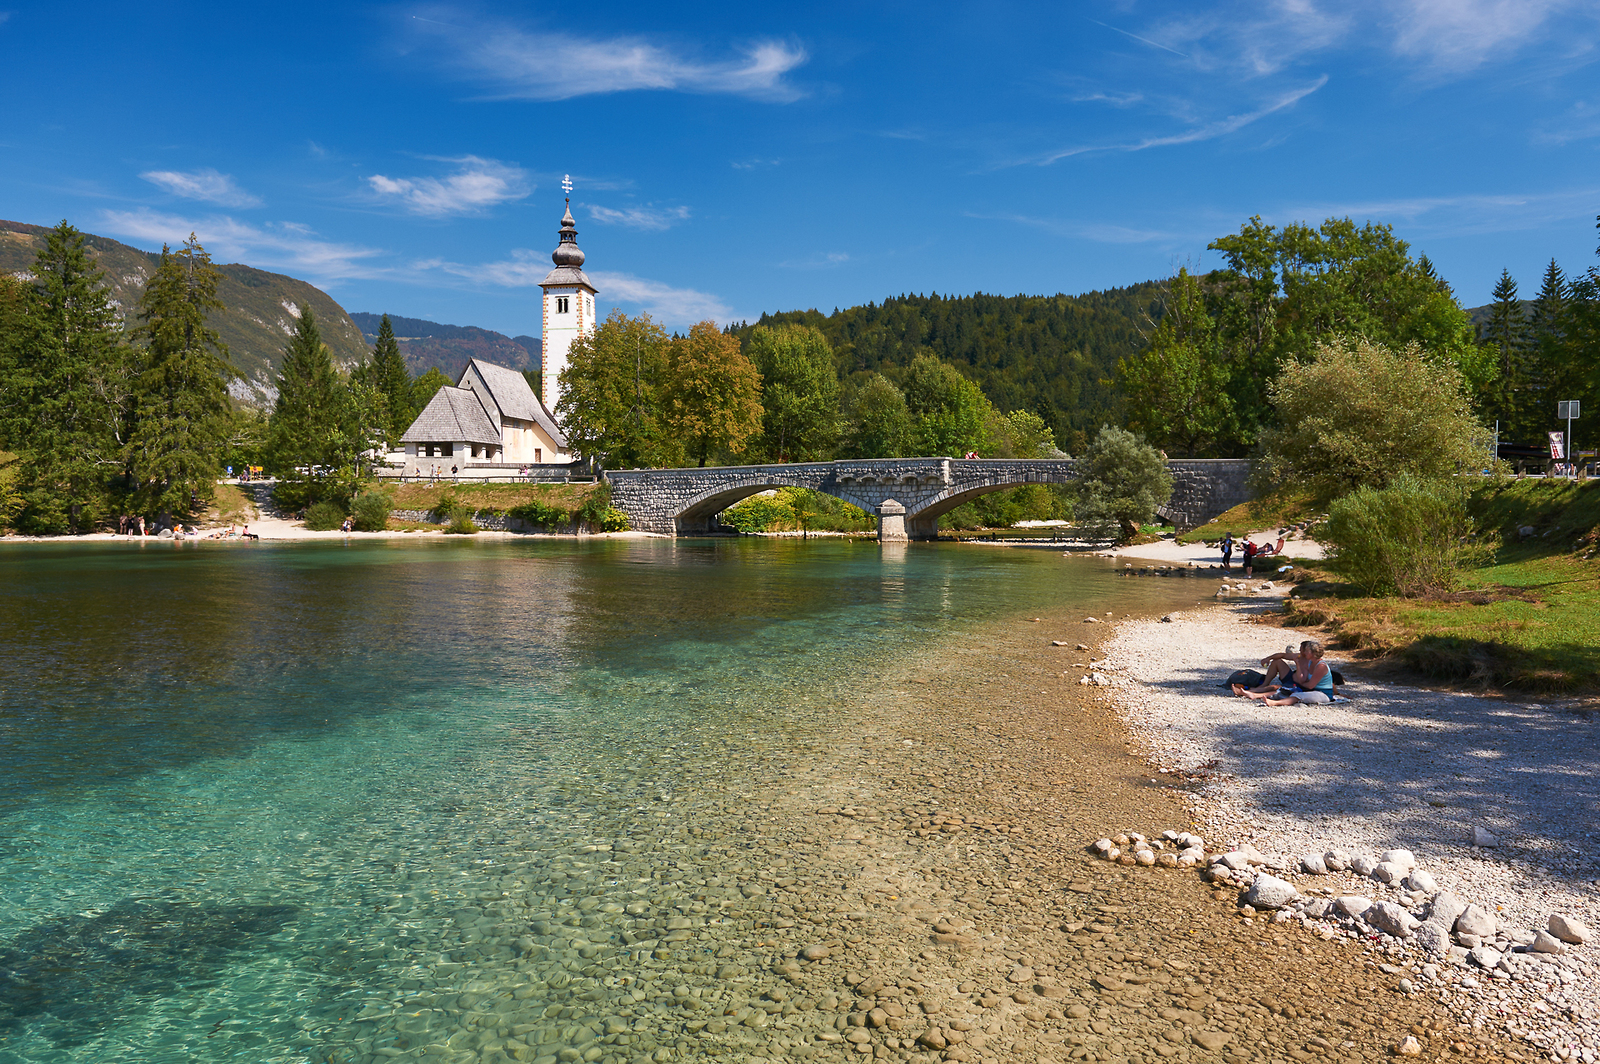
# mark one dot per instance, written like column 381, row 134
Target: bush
column 461, row 523
column 613, row 520
column 759, row 513
column 372, row 510
column 1124, row 479
column 540, row 515
column 324, row 516
column 595, row 506
column 1411, row 538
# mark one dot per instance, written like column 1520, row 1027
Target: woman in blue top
column 1311, row 683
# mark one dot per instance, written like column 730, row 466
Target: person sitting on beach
column 245, row 533
column 1310, row 681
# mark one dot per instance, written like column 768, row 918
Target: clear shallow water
column 251, row 794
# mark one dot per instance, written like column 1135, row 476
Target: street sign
column 1567, row 410
column 1558, row 448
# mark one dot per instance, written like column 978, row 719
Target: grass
column 1274, row 512
column 230, row 506
column 1530, row 621
column 496, row 497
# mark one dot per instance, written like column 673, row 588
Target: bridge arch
column 923, row 523
column 697, row 511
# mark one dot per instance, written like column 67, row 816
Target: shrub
column 595, row 506
column 540, row 514
column 324, row 516
column 372, row 510
column 1124, row 479
column 613, row 520
column 759, row 513
column 461, row 523
column 1411, row 538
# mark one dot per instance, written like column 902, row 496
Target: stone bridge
column 908, row 495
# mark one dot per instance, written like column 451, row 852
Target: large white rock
column 1352, row 904
column 1482, row 836
column 1389, row 917
column 1545, row 942
column 1485, row 957
column 1313, row 864
column 1423, row 881
column 1568, row 928
column 1405, row 858
column 1389, row 872
column 1270, row 892
column 1362, row 864
column 1446, row 909
column 1476, row 920
column 1432, row 938
column 1336, row 860
column 1236, row 859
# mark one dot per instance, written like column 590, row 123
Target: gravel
column 1396, row 767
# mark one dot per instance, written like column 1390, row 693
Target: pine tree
column 390, row 378
column 1507, row 333
column 181, row 403
column 1551, row 369
column 306, row 417
column 64, row 395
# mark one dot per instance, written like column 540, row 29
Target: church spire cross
column 566, row 186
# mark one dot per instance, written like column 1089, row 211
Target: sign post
column 1567, row 410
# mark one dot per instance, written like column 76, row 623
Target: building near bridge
column 490, row 423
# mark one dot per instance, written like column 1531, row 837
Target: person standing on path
column 1227, row 551
column 1250, row 550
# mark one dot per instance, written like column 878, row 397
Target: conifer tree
column 65, row 390
column 181, row 406
column 307, row 415
column 1552, row 370
column 1507, row 333
column 391, row 380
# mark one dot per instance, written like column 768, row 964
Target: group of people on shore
column 135, row 527
column 1250, row 550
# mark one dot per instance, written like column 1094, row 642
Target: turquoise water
column 252, row 798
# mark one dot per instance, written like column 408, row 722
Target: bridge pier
column 922, row 528
column 891, row 522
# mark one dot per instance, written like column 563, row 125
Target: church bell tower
column 568, row 306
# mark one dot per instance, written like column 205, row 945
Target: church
column 490, row 423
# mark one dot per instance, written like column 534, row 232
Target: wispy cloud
column 283, row 245
column 477, row 185
column 1459, row 35
column 205, row 184
column 1115, row 99
column 1135, row 36
column 1464, row 214
column 527, row 64
column 822, row 260
column 753, row 164
column 1099, row 232
column 525, row 269
column 1208, row 131
column 649, row 218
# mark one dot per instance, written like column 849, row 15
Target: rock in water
column 1270, row 892
column 1409, row 1047
column 1568, row 928
column 1388, row 917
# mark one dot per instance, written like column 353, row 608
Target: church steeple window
column 561, row 304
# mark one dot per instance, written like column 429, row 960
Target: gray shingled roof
column 510, row 391
column 567, row 275
column 453, row 415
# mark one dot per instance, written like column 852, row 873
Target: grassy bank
column 1252, row 516
column 498, row 498
column 1530, row 621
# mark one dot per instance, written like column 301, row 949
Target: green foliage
column 611, row 401
column 796, row 510
column 1003, row 509
column 324, row 516
column 595, row 506
column 1286, row 292
column 799, row 393
column 1122, row 481
column 182, row 413
column 372, row 507
column 386, row 372
column 308, row 414
column 424, row 388
column 66, row 389
column 11, row 500
column 711, row 392
column 1019, row 434
column 879, row 424
column 948, row 411
column 1412, row 537
column 540, row 514
column 461, row 524
column 1178, row 387
column 613, row 520
column 1360, row 414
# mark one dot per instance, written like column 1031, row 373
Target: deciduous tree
column 947, row 410
column 712, row 393
column 799, row 392
column 1122, row 481
column 611, row 391
column 1178, row 386
column 879, row 422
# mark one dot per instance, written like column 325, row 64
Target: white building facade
column 569, row 310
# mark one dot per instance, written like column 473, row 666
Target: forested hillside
column 1051, row 355
column 255, row 319
column 428, row 344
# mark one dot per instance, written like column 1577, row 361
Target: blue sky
column 736, row 158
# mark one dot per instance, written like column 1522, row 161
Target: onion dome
column 567, row 253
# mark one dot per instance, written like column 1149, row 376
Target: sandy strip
column 1398, row 766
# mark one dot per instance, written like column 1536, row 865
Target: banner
column 1557, row 445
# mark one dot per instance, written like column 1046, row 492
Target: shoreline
column 1399, row 766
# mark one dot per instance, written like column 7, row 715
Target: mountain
column 1054, row 355
column 426, row 344
column 259, row 308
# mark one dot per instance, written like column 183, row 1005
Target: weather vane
column 566, row 186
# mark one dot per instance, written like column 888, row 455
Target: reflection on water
column 303, row 802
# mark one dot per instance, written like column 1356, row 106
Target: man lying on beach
column 1305, row 678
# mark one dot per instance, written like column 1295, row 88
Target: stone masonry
column 684, row 501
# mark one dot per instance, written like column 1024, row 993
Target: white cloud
column 530, row 65
column 823, row 260
column 205, row 184
column 1208, row 131
column 282, row 245
column 649, row 218
column 476, row 185
column 1456, row 35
